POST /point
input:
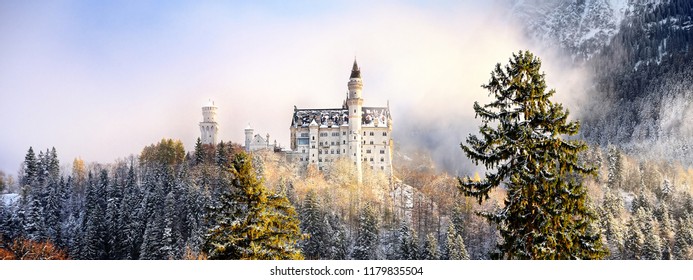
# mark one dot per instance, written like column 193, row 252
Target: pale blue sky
column 102, row 79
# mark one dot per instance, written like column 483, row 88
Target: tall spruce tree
column 454, row 248
column 367, row 241
column 130, row 218
column 250, row 222
column 199, row 152
column 29, row 169
column 313, row 223
column 407, row 247
column 634, row 241
column 683, row 239
column 547, row 213
column 95, row 241
column 430, row 250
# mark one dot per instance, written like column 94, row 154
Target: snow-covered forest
column 159, row 205
column 156, row 206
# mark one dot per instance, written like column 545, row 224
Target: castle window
column 368, row 151
column 371, row 142
column 332, row 152
column 312, row 146
column 364, row 133
column 343, row 151
column 343, row 133
column 344, row 142
column 372, row 133
column 371, row 159
column 382, row 160
column 304, row 134
column 384, row 133
column 382, row 168
column 313, row 137
column 320, row 152
column 382, row 152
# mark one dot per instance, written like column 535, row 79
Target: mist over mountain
column 638, row 53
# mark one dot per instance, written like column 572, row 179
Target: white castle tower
column 355, row 104
column 209, row 129
column 248, row 137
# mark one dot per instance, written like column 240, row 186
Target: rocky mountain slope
column 639, row 52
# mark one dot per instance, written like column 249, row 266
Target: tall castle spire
column 355, row 105
column 355, row 71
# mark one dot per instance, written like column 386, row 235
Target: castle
column 363, row 134
column 321, row 136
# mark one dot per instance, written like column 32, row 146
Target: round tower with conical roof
column 355, row 105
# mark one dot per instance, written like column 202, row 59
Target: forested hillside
column 164, row 203
column 638, row 55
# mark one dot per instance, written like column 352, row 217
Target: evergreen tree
column 313, row 223
column 454, row 248
column 30, row 169
column 170, row 236
column 199, row 152
column 114, row 234
column 652, row 246
column 221, row 158
column 449, row 245
column 666, row 226
column 340, row 243
column 194, row 221
column 250, row 222
column 615, row 167
column 683, row 240
column 612, row 210
column 460, row 249
column 73, row 236
column 635, row 240
column 130, row 217
column 546, row 213
column 95, row 235
column 408, row 249
column 53, row 212
column 430, row 251
column 53, row 165
column 367, row 240
column 157, row 186
column 33, row 221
